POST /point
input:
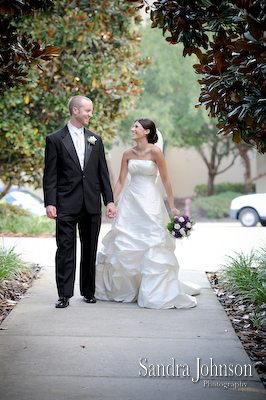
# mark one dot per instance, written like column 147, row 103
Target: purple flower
column 180, row 226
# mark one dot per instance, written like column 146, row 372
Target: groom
column 75, row 177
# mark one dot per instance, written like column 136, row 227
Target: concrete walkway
column 117, row 351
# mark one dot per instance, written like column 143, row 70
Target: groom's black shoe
column 90, row 299
column 62, row 302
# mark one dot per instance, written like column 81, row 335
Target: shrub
column 8, row 209
column 216, row 206
column 10, row 264
column 244, row 277
column 14, row 219
column 201, row 190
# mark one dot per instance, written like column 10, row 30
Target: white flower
column 188, row 233
column 181, row 219
column 92, row 139
column 173, row 233
column 188, row 225
column 177, row 226
column 183, row 232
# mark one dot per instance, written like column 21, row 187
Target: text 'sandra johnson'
column 202, row 370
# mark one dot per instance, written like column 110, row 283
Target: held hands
column 51, row 212
column 110, row 210
column 175, row 212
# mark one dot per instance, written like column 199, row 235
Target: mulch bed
column 253, row 338
column 11, row 291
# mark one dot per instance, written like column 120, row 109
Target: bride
column 137, row 260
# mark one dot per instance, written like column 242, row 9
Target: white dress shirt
column 77, row 135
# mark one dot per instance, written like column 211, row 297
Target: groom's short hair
column 76, row 101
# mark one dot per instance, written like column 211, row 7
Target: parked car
column 249, row 209
column 24, row 199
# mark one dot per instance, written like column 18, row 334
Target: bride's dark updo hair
column 149, row 124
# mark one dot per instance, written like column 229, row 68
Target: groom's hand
column 110, row 210
column 51, row 212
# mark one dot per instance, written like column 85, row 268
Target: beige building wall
column 186, row 169
column 261, row 182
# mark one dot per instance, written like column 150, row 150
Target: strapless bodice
column 142, row 169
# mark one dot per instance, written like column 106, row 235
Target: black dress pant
column 66, row 238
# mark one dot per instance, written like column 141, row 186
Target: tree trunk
column 244, row 155
column 210, row 186
column 6, row 190
column 214, row 163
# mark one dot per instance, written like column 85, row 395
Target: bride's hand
column 175, row 212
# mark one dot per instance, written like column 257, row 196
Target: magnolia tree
column 18, row 51
column 99, row 58
column 228, row 37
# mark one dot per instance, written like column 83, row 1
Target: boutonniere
column 92, row 140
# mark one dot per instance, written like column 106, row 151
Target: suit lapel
column 88, row 148
column 69, row 145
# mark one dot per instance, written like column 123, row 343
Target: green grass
column 244, row 277
column 28, row 225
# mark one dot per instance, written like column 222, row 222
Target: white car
column 249, row 209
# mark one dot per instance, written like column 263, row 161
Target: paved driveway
column 211, row 243
column 205, row 250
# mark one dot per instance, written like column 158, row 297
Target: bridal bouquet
column 180, row 227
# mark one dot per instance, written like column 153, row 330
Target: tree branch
column 229, row 166
column 6, row 190
column 258, row 177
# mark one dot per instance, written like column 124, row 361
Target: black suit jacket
column 65, row 185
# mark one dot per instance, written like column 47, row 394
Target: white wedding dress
column 137, row 260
